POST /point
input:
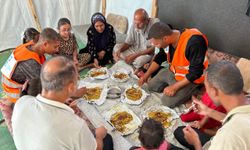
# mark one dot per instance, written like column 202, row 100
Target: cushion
column 244, row 66
column 120, row 23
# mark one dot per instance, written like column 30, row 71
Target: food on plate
column 96, row 73
column 162, row 117
column 120, row 75
column 120, row 119
column 93, row 93
column 133, row 93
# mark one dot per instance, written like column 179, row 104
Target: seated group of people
column 45, row 121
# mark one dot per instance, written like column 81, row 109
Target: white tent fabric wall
column 16, row 16
column 127, row 7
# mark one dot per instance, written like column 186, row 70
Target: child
column 30, row 34
column 68, row 45
column 151, row 136
column 205, row 124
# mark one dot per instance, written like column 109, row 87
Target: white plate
column 100, row 77
column 162, row 109
column 104, row 92
column 131, row 126
column 131, row 102
column 120, row 71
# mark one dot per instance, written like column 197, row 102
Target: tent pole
column 154, row 12
column 104, row 7
column 33, row 11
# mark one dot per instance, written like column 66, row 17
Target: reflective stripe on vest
column 10, row 84
column 7, row 69
column 186, row 68
column 12, row 93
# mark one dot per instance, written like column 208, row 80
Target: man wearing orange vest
column 25, row 63
column 186, row 58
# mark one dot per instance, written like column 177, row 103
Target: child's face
column 65, row 30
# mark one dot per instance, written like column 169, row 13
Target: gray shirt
column 138, row 39
column 26, row 70
column 39, row 124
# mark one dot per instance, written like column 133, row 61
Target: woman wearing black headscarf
column 101, row 41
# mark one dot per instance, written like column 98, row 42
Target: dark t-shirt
column 195, row 53
column 26, row 70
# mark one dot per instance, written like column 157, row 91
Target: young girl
column 101, row 41
column 30, row 34
column 68, row 45
column 151, row 136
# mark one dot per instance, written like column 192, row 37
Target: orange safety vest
column 11, row 88
column 180, row 64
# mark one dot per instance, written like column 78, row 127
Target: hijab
column 101, row 40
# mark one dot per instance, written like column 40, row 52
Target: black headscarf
column 100, row 40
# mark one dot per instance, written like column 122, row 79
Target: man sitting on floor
column 224, row 84
column 137, row 50
column 45, row 122
column 187, row 49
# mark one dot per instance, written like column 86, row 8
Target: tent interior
column 224, row 22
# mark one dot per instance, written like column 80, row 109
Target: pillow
column 244, row 66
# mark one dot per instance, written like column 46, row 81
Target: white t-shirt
column 42, row 124
column 138, row 39
column 234, row 134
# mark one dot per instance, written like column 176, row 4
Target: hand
column 96, row 63
column 146, row 66
column 80, row 92
column 100, row 132
column 170, row 90
column 130, row 58
column 117, row 55
column 76, row 63
column 200, row 107
column 196, row 124
column 142, row 80
column 101, row 54
column 191, row 136
column 75, row 59
column 25, row 85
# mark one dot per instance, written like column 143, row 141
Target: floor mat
column 6, row 141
